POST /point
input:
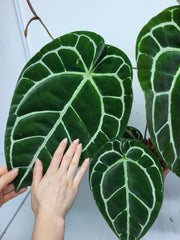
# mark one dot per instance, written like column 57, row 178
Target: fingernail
column 14, row 171
column 37, row 163
column 64, row 140
column 76, row 141
column 79, row 146
column 87, row 160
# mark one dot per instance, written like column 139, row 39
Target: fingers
column 75, row 162
column 55, row 162
column 13, row 194
column 80, row 174
column 8, row 188
column 8, row 178
column 68, row 156
column 3, row 170
column 37, row 172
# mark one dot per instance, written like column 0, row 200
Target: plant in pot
column 79, row 87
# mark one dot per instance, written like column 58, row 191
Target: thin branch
column 31, row 7
column 36, row 17
column 26, row 29
column 46, row 29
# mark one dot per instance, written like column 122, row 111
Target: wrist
column 50, row 214
column 48, row 226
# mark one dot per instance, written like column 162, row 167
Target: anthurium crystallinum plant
column 79, row 87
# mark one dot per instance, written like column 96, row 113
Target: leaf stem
column 36, row 17
column 145, row 132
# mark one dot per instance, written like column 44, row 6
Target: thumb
column 8, row 177
column 37, row 172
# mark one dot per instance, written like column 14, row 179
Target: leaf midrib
column 124, row 161
column 61, row 115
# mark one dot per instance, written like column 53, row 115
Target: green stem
column 145, row 132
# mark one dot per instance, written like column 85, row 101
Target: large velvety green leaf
column 158, row 60
column 76, row 87
column 127, row 184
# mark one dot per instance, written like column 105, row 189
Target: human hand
column 55, row 192
column 7, row 190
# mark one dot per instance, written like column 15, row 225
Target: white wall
column 12, row 59
column 119, row 22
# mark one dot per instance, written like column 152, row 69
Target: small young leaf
column 133, row 133
column 127, row 184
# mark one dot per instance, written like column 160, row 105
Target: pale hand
column 55, row 192
column 7, row 190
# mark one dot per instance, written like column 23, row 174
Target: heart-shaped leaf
column 133, row 133
column 76, row 87
column 127, row 184
column 158, row 61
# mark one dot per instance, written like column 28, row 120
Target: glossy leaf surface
column 158, row 60
column 127, row 184
column 76, row 87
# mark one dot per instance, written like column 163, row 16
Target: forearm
column 48, row 227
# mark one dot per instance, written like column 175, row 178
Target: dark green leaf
column 158, row 60
column 127, row 184
column 76, row 87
